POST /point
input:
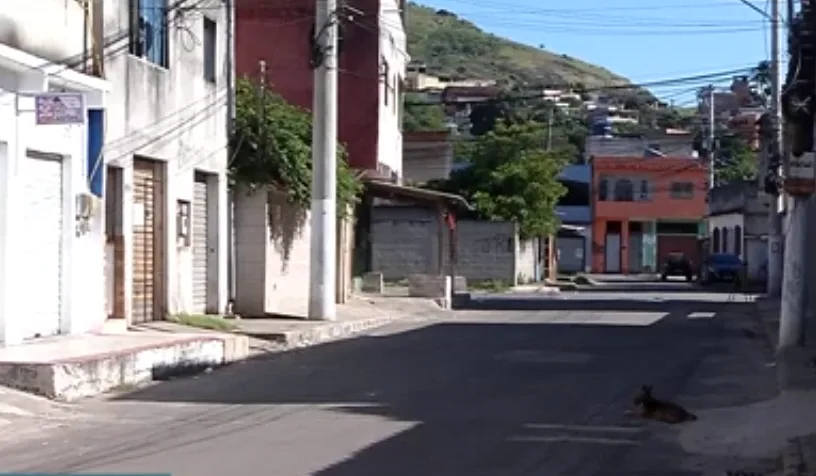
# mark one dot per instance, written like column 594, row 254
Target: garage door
column 200, row 245
column 145, row 247
column 570, row 253
column 40, row 178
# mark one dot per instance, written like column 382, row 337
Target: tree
column 422, row 117
column 512, row 177
column 734, row 160
column 272, row 147
column 760, row 82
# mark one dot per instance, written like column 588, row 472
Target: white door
column 613, row 252
column 40, row 179
column 200, row 244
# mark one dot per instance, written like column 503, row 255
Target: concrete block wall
column 405, row 242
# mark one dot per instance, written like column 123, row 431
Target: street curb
column 320, row 333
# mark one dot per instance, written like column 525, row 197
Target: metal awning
column 395, row 191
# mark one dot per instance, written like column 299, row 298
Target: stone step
column 73, row 367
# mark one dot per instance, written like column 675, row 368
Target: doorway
column 148, row 240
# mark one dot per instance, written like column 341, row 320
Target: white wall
column 82, row 251
column 51, row 29
column 173, row 115
column 393, row 48
column 730, row 220
column 526, row 257
column 272, row 255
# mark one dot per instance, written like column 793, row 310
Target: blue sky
column 644, row 40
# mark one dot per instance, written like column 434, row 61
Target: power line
column 701, row 78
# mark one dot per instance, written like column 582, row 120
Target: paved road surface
column 497, row 392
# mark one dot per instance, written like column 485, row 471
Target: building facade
column 645, row 208
column 574, row 239
column 165, row 160
column 737, row 222
column 51, row 241
column 373, row 58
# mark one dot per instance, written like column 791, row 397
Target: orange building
column 645, row 208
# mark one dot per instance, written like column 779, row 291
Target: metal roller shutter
column 200, row 244
column 40, row 179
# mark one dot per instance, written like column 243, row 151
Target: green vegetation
column 272, row 144
column 452, row 46
column 734, row 160
column 512, row 177
column 422, row 118
column 212, row 323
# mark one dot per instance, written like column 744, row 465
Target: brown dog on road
column 650, row 408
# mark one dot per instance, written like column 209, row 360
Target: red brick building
column 645, row 208
column 372, row 69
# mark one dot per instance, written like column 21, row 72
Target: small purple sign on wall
column 60, row 108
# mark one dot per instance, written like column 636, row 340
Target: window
column 624, row 191
column 715, row 241
column 603, row 189
column 682, row 190
column 210, row 42
column 644, row 190
column 148, row 30
column 386, row 76
column 725, row 239
column 738, row 240
column 400, row 100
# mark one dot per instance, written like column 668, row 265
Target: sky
column 643, row 40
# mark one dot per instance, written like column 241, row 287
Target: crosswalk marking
column 701, row 315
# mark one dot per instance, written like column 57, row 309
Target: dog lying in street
column 651, row 408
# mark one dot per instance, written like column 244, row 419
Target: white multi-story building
column 132, row 229
column 393, row 61
column 166, row 158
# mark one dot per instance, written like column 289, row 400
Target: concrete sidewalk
column 796, row 374
column 360, row 314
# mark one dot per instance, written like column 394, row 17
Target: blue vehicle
column 722, row 267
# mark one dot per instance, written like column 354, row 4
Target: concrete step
column 73, row 367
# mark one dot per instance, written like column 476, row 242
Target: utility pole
column 323, row 265
column 229, row 17
column 711, row 137
column 774, row 278
column 800, row 179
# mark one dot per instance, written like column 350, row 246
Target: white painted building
column 737, row 223
column 166, row 158
column 51, row 279
column 154, row 238
column 393, row 61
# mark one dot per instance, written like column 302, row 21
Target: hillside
column 452, row 46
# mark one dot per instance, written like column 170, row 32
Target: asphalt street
column 528, row 385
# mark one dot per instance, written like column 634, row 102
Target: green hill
column 452, row 46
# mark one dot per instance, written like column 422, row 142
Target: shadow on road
column 478, row 398
column 610, row 301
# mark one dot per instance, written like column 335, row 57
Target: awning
column 395, row 191
column 42, row 74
